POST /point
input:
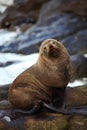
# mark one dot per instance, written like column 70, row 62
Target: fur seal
column 43, row 80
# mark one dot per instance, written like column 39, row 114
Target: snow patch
column 6, row 36
column 9, row 73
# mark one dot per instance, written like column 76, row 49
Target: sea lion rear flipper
column 66, row 111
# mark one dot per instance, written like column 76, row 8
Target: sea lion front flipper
column 36, row 108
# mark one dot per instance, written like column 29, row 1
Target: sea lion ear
column 40, row 47
column 58, row 42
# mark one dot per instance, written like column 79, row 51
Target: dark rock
column 73, row 97
column 4, row 92
column 78, row 120
column 76, row 43
column 24, row 11
column 76, row 6
column 6, row 64
column 79, row 66
column 47, row 120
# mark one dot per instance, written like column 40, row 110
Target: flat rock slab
column 75, row 97
column 46, row 122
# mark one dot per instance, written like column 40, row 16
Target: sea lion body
column 52, row 70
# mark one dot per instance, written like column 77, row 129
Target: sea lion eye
column 44, row 48
column 53, row 42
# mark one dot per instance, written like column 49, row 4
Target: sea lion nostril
column 51, row 46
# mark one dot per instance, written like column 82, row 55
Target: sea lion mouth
column 53, row 52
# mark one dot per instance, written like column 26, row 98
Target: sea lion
column 41, row 83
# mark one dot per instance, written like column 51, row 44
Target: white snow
column 7, row 118
column 6, row 36
column 9, row 73
column 6, row 2
column 85, row 55
column 2, row 8
column 79, row 82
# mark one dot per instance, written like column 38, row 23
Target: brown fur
column 52, row 70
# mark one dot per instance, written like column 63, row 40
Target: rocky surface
column 46, row 120
column 79, row 66
column 24, row 11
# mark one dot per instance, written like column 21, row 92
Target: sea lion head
column 51, row 48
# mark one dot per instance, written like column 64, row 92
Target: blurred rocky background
column 24, row 24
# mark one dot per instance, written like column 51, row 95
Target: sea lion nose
column 51, row 46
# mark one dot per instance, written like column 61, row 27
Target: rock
column 78, row 122
column 79, row 67
column 54, row 21
column 6, row 64
column 76, row 6
column 24, row 11
column 76, row 44
column 47, row 120
column 76, row 97
column 4, row 92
